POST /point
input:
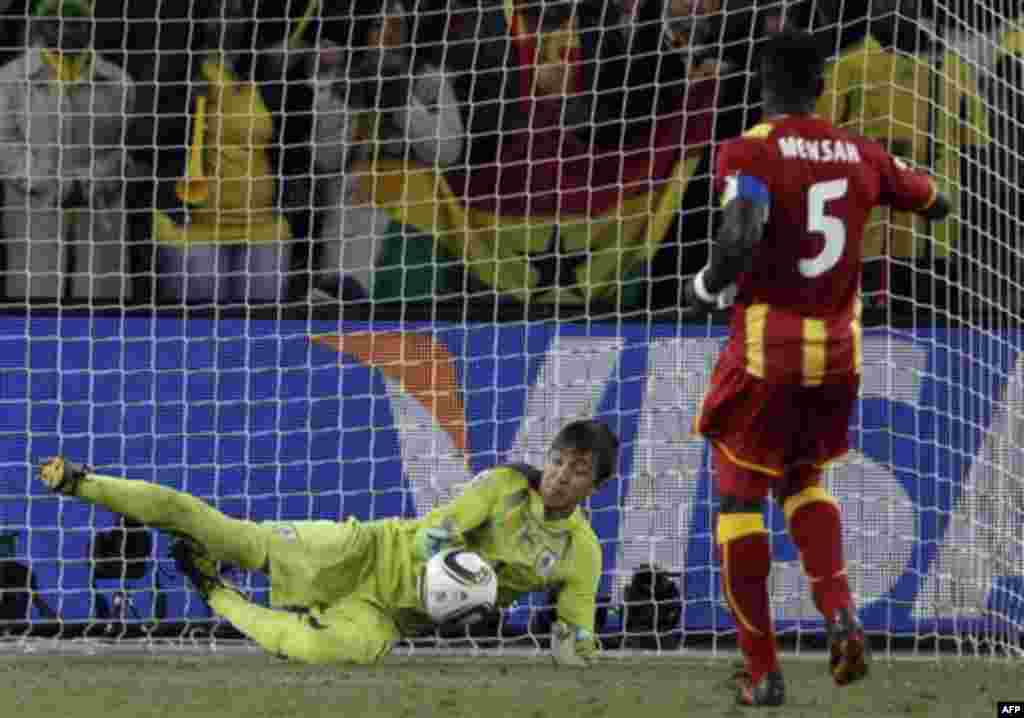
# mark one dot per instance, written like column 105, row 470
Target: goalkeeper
column 353, row 587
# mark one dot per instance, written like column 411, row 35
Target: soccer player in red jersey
column 796, row 193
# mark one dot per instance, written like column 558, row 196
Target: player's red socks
column 746, row 562
column 816, row 529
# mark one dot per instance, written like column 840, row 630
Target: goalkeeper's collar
column 559, row 521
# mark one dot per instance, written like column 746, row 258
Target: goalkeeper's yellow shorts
column 328, row 567
column 317, row 563
column 328, row 570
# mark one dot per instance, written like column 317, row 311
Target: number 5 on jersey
column 820, row 222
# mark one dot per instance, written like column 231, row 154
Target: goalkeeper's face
column 568, row 479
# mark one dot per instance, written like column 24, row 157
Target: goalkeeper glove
column 572, row 646
column 430, row 541
column 62, row 476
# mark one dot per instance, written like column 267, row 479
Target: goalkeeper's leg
column 243, row 543
column 351, row 631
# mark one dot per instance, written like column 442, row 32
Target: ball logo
column 444, row 596
column 468, row 568
column 481, row 576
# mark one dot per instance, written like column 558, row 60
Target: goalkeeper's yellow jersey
column 499, row 515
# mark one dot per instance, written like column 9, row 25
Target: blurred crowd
column 528, row 151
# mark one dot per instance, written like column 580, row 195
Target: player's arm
column 746, row 201
column 572, row 637
column 908, row 190
column 446, row 524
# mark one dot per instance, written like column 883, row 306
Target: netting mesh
column 332, row 258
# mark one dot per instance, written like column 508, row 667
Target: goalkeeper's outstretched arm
column 573, row 641
column 445, row 525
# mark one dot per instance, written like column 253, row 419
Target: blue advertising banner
column 291, row 420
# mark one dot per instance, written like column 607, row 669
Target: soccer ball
column 458, row 587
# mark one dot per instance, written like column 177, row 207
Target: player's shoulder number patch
column 483, row 478
column 287, row 532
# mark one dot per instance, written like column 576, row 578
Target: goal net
column 314, row 260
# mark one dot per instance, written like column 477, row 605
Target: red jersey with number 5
column 797, row 313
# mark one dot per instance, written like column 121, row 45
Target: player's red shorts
column 774, row 432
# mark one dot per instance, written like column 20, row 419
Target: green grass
column 253, row 686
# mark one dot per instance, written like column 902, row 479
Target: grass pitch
column 254, row 686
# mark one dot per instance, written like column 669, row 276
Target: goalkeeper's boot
column 848, row 648
column 62, row 476
column 769, row 691
column 201, row 570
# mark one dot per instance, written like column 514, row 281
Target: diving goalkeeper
column 352, row 588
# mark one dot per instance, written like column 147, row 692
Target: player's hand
column 572, row 646
column 62, row 476
column 430, row 541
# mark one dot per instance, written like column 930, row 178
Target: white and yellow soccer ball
column 458, row 587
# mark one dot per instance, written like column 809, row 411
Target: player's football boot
column 848, row 648
column 62, row 476
column 769, row 691
column 201, row 571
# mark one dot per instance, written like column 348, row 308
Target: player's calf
column 848, row 648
